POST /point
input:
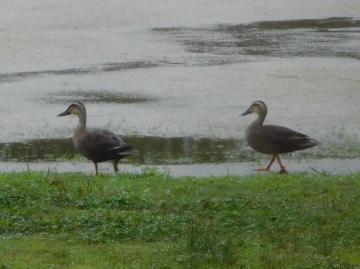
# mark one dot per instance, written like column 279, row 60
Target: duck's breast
column 82, row 144
column 258, row 141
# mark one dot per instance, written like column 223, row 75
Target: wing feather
column 103, row 145
column 280, row 139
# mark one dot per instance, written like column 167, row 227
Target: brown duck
column 273, row 139
column 97, row 145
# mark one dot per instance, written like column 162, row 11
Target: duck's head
column 76, row 108
column 258, row 107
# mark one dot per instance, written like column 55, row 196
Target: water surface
column 168, row 150
column 175, row 88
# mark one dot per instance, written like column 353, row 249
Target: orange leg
column 282, row 167
column 267, row 169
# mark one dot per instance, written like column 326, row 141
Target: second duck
column 273, row 139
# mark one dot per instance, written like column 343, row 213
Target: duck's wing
column 102, row 145
column 283, row 140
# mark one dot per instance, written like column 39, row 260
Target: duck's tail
column 126, row 151
column 310, row 142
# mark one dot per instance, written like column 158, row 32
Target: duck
column 273, row 139
column 97, row 145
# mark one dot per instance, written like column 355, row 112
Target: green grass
column 152, row 220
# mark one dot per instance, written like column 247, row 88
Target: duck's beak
column 247, row 112
column 65, row 113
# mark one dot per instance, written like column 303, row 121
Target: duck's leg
column 267, row 168
column 282, row 167
column 115, row 164
column 96, row 169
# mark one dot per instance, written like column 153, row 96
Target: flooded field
column 175, row 88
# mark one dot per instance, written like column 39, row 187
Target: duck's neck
column 82, row 123
column 259, row 121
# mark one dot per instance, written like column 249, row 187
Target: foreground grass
column 151, row 220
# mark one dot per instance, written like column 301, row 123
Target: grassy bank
column 155, row 221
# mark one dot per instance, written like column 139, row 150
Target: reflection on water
column 38, row 149
column 308, row 38
column 160, row 150
column 152, row 150
column 173, row 150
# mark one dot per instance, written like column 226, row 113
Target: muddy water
column 175, row 89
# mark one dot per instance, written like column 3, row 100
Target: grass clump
column 152, row 220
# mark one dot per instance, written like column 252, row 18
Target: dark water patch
column 215, row 61
column 333, row 22
column 97, row 96
column 112, row 67
column 37, row 150
column 173, row 150
column 187, row 150
column 152, row 150
column 327, row 23
column 107, row 67
column 292, row 38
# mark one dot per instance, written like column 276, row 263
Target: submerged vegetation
column 152, row 220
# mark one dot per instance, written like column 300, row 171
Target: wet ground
column 175, row 89
column 322, row 166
